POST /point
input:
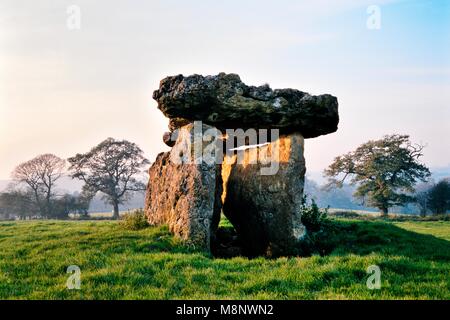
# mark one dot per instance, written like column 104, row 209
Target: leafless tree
column 40, row 175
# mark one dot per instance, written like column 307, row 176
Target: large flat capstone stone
column 225, row 102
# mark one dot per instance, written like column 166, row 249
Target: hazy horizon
column 63, row 91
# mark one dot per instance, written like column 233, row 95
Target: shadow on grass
column 339, row 237
column 366, row 237
column 151, row 263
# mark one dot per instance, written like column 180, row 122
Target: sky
column 65, row 89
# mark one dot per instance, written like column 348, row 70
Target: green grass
column 414, row 258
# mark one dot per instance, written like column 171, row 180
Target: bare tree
column 111, row 168
column 40, row 175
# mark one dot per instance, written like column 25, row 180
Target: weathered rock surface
column 184, row 193
column 225, row 102
column 264, row 205
column 265, row 209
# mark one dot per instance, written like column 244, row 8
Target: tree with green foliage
column 76, row 203
column 18, row 203
column 111, row 168
column 439, row 197
column 384, row 171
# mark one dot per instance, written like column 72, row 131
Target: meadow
column 413, row 256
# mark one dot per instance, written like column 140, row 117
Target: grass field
column 414, row 258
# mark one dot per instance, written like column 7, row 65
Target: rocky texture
column 225, row 102
column 265, row 209
column 185, row 193
column 175, row 123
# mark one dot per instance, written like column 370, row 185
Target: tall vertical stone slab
column 184, row 190
column 264, row 204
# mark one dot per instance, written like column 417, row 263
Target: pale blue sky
column 63, row 91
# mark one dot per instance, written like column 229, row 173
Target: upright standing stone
column 184, row 191
column 265, row 208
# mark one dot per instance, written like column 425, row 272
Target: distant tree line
column 434, row 198
column 382, row 174
column 111, row 168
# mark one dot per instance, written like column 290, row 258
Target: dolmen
column 236, row 150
